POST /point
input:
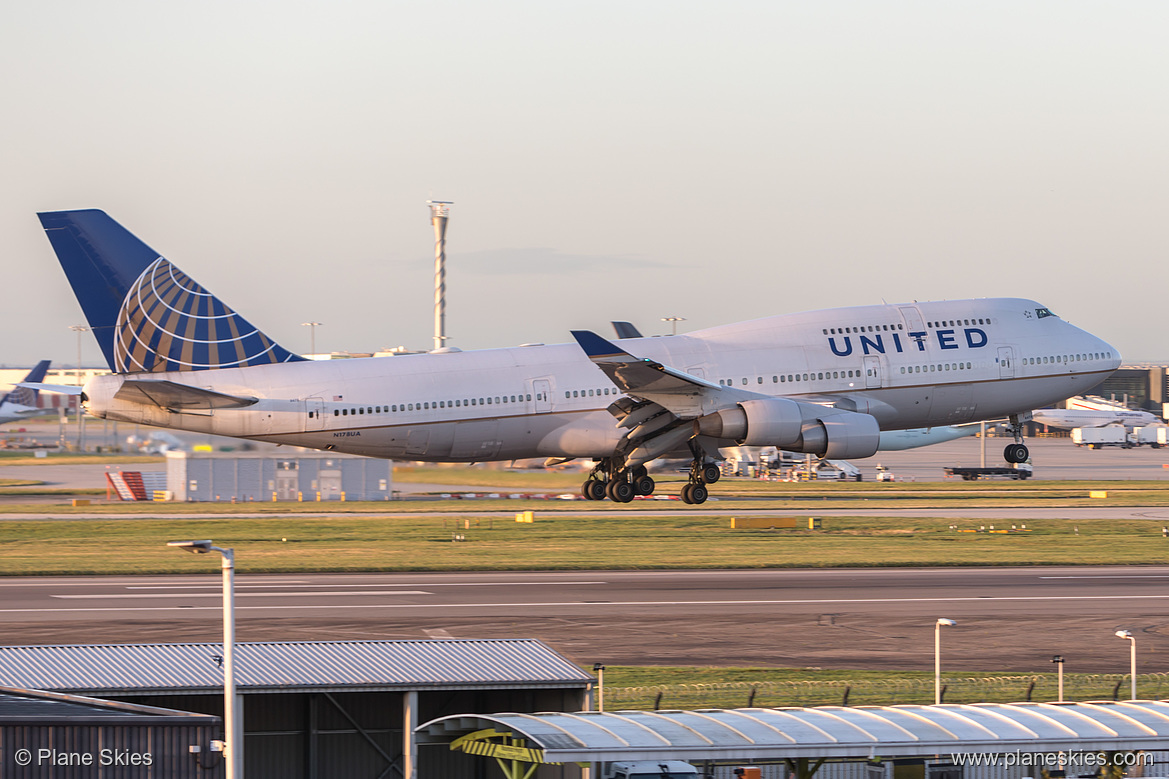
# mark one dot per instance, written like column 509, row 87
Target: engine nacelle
column 850, row 435
column 763, row 422
column 796, row 427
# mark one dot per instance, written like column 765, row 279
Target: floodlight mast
column 232, row 726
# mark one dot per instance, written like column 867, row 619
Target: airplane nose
column 1113, row 353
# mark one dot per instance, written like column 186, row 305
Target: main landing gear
column 622, row 485
column 1016, row 452
column 619, row 486
column 701, row 474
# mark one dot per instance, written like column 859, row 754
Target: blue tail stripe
column 147, row 315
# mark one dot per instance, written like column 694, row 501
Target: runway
column 1008, row 618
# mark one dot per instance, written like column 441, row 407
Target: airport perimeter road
column 1008, row 619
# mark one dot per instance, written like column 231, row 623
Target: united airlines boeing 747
column 822, row 382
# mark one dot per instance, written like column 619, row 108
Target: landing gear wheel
column 710, row 474
column 643, row 485
column 698, row 493
column 639, row 471
column 620, row 491
column 686, row 493
column 593, row 489
column 1016, row 453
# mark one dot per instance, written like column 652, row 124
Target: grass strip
column 649, row 687
column 676, row 541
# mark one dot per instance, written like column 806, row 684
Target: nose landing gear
column 1017, row 452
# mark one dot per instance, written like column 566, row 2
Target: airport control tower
column 439, row 214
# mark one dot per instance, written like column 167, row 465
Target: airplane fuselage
column 909, row 366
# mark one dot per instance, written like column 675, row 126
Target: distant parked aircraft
column 1069, row 418
column 22, row 401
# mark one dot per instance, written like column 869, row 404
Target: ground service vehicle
column 1097, row 437
column 650, row 769
column 1017, row 472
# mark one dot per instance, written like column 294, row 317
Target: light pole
column 79, row 329
column 674, row 320
column 1058, row 660
column 1132, row 659
column 312, row 337
column 938, row 656
column 599, row 670
column 232, row 725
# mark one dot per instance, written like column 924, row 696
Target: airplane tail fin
column 147, row 315
column 27, row 396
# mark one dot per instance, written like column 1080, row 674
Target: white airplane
column 822, row 382
column 1092, row 417
column 21, row 402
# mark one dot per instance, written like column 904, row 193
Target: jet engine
column 795, row 427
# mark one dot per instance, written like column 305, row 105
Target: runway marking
column 139, row 596
column 1116, row 576
column 115, row 583
column 309, row 584
column 562, row 604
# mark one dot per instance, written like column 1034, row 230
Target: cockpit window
column 1043, row 312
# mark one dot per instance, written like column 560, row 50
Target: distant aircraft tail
column 27, row 396
column 147, row 315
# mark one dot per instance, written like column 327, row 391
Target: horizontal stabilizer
column 60, row 389
column 177, row 397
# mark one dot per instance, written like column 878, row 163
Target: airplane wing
column 639, row 376
column 178, row 397
column 60, row 389
column 680, row 393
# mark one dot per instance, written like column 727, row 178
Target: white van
column 651, row 769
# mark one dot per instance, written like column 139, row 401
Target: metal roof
column 291, row 666
column 827, row 731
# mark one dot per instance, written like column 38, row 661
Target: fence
column 885, row 692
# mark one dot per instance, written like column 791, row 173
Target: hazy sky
column 608, row 160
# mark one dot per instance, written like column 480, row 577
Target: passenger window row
column 784, row 378
column 950, row 366
column 591, row 393
column 958, row 322
column 395, row 408
column 861, row 329
column 1066, row 358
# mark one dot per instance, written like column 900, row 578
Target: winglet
column 626, row 330
column 597, row 348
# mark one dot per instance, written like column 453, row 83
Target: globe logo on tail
column 168, row 322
